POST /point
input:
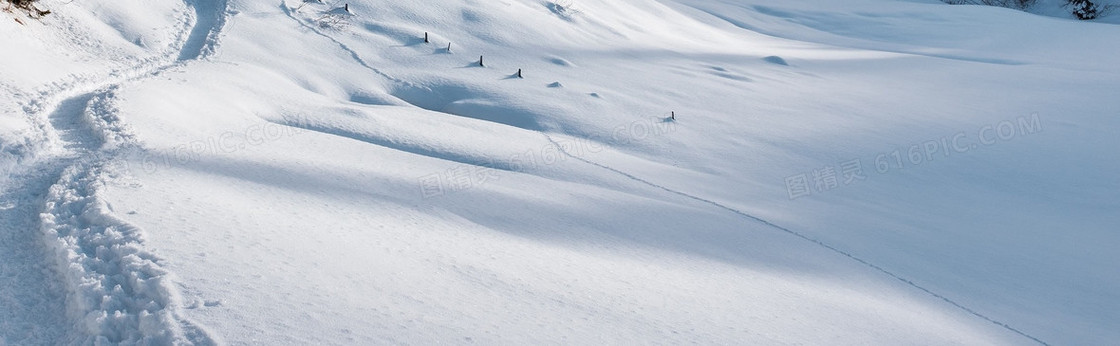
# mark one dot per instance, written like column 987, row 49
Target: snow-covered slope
column 866, row 171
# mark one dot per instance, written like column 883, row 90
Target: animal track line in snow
column 802, row 236
column 353, row 54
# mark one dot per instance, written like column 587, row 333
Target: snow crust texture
column 544, row 171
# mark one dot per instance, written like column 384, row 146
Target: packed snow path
column 70, row 270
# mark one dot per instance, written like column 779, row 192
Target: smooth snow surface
column 665, row 171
